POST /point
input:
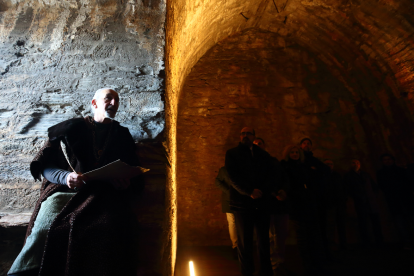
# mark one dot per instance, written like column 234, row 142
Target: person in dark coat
column 318, row 177
column 279, row 219
column 364, row 192
column 224, row 182
column 335, row 202
column 250, row 169
column 318, row 170
column 398, row 192
column 93, row 232
column 303, row 211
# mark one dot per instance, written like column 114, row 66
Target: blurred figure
column 279, row 219
column 363, row 190
column 335, row 202
column 399, row 195
column 250, row 169
column 303, row 211
column 223, row 181
column 318, row 174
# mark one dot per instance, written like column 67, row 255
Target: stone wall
column 257, row 78
column 366, row 46
column 54, row 55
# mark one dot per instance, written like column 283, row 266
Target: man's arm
column 55, row 175
column 221, row 182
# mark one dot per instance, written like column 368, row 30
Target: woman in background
column 303, row 211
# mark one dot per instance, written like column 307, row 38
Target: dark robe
column 398, row 191
column 94, row 232
column 363, row 190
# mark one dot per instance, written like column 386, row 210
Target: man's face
column 306, row 145
column 355, row 165
column 387, row 161
column 247, row 137
column 330, row 164
column 259, row 143
column 107, row 104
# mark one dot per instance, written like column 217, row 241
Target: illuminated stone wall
column 256, row 78
column 356, row 53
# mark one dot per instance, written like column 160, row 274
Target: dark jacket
column 301, row 198
column 280, row 182
column 247, row 173
column 318, row 174
column 397, row 189
column 335, row 193
column 94, row 233
column 363, row 190
column 224, row 182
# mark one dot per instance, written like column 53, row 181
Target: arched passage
column 358, row 49
column 286, row 92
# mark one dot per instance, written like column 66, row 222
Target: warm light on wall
column 192, row 273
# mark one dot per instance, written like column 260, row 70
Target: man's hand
column 256, row 194
column 75, row 180
column 120, row 183
column 281, row 195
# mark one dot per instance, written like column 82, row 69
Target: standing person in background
column 363, row 190
column 303, row 211
column 279, row 219
column 318, row 174
column 318, row 170
column 398, row 192
column 250, row 169
column 224, row 182
column 336, row 204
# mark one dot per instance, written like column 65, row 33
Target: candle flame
column 192, row 272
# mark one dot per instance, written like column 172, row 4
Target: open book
column 116, row 169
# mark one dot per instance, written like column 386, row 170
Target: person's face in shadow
column 294, row 154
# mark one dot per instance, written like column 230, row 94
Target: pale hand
column 256, row 194
column 75, row 180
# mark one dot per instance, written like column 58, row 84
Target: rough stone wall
column 257, row 78
column 54, row 55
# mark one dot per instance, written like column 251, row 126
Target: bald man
column 250, row 169
column 82, row 226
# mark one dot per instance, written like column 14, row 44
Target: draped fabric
column 95, row 232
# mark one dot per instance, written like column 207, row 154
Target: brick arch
column 365, row 47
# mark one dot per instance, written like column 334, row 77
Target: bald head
column 102, row 90
column 247, row 136
column 105, row 104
